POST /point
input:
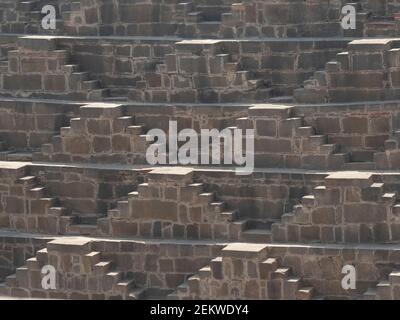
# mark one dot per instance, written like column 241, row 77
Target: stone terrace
column 76, row 189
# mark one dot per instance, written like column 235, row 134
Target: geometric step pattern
column 171, row 205
column 80, row 274
column 349, row 208
column 200, row 71
column 38, row 69
column 102, row 134
column 386, row 289
column 244, row 271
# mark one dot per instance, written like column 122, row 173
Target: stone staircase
column 366, row 72
column 81, row 274
column 45, row 213
column 101, row 134
column 388, row 159
column 283, row 139
column 385, row 289
column 151, row 211
column 362, row 211
column 252, row 275
column 200, row 71
column 201, row 18
column 38, row 69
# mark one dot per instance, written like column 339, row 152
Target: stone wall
column 38, row 68
column 233, row 71
column 368, row 71
column 14, row 251
column 26, row 125
column 88, row 269
column 348, row 208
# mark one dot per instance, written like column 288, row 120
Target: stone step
column 28, row 181
column 26, row 6
column 305, row 293
column 306, row 131
column 41, row 205
column 383, row 289
column 135, row 130
column 124, row 287
column 281, row 273
column 229, row 216
column 291, row 287
column 270, row 111
column 245, row 251
column 58, row 211
column 33, row 263
column 204, row 272
column 389, row 198
column 308, row 200
column 137, row 294
column 42, row 256
column 22, row 275
column 80, row 76
column 218, row 207
column 318, row 140
column 70, row 68
column 103, row 267
column 216, row 270
column 91, row 259
column 206, row 197
column 112, row 278
column 394, row 277
column 267, row 267
column 37, row 193
column 71, row 245
column 329, row 148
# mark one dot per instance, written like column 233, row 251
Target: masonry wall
column 15, row 250
column 162, row 265
column 86, row 190
column 263, row 195
column 321, row 266
column 27, row 125
column 358, row 126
